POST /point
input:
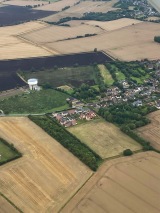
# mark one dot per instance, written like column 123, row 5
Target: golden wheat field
column 134, row 42
column 11, row 46
column 58, row 33
column 57, row 6
column 125, row 185
column 151, row 132
column 47, row 175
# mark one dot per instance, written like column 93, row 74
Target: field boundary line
column 36, row 44
column 76, row 192
column 9, row 201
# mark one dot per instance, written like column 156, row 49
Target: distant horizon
column 155, row 4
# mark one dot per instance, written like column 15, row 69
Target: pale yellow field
column 57, row 33
column 91, row 6
column 57, row 6
column 134, row 42
column 114, row 25
column 125, row 185
column 47, row 175
column 104, row 138
column 151, row 132
column 25, row 2
column 6, row 207
column 12, row 47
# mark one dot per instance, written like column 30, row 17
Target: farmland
column 121, row 186
column 44, row 175
column 134, row 42
column 72, row 76
column 57, row 6
column 13, row 47
column 11, row 15
column 35, row 102
column 104, row 138
column 8, row 69
column 60, row 33
column 151, row 132
column 5, row 205
column 114, row 25
column 31, row 3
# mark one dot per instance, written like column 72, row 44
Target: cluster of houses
column 142, row 9
column 146, row 93
column 70, row 117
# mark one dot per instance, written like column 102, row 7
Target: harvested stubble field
column 25, row 2
column 114, row 25
column 91, row 6
column 12, row 47
column 47, row 175
column 104, row 138
column 58, row 33
column 6, row 207
column 131, row 43
column 123, row 185
column 57, row 6
column 151, row 132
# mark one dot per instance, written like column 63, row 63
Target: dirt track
column 46, row 176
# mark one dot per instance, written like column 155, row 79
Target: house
column 137, row 103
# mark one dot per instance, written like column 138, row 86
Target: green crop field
column 71, row 76
column 35, row 102
column 7, row 153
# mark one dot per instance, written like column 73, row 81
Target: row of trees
column 128, row 118
column 69, row 141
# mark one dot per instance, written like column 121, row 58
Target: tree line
column 69, row 141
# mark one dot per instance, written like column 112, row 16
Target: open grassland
column 47, row 175
column 104, row 138
column 108, row 80
column 73, row 76
column 35, row 102
column 58, row 33
column 7, row 153
column 134, row 42
column 58, row 6
column 123, row 185
column 114, row 25
column 12, row 47
column 151, row 132
column 5, row 206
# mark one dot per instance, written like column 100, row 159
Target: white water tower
column 33, row 84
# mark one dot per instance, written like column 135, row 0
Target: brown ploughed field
column 6, row 207
column 124, row 185
column 47, row 175
column 151, row 132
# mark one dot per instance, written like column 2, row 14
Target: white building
column 33, row 84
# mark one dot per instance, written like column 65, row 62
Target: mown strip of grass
column 69, row 141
